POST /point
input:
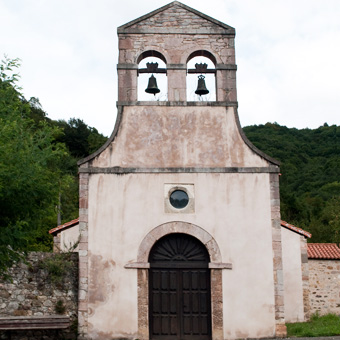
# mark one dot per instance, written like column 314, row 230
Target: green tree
column 80, row 139
column 326, row 228
column 30, row 176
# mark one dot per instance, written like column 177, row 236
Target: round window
column 179, row 199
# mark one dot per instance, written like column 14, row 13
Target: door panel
column 180, row 304
column 179, row 289
column 196, row 313
column 164, row 303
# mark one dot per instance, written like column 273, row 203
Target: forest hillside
column 310, row 175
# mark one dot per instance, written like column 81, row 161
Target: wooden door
column 179, row 284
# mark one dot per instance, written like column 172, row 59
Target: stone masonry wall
column 324, row 283
column 176, row 18
column 176, row 33
column 35, row 291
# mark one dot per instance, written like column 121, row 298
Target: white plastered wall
column 69, row 238
column 292, row 276
column 161, row 136
column 123, row 209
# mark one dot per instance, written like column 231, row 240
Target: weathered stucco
column 157, row 136
column 291, row 254
column 123, row 209
column 69, row 239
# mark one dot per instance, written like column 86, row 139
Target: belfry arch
column 201, row 63
column 152, row 64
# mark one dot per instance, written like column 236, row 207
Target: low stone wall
column 44, row 284
column 324, row 284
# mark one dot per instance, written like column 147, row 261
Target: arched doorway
column 179, row 289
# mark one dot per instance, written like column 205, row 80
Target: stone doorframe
column 142, row 265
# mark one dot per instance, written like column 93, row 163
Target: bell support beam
column 145, row 70
column 191, row 70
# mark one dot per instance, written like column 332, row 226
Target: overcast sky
column 287, row 52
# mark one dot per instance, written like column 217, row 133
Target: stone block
column 82, row 295
column 143, row 251
column 125, row 44
column 280, row 330
column 83, row 203
column 83, row 259
column 82, row 306
column 83, row 272
column 83, row 245
column 83, row 253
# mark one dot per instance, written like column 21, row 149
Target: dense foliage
column 310, row 175
column 38, row 171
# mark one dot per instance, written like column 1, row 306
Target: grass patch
column 60, row 307
column 326, row 325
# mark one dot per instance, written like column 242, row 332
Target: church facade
column 179, row 222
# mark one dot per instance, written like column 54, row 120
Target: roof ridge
column 65, row 225
column 121, row 28
column 296, row 229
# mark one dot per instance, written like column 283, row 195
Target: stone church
column 179, row 212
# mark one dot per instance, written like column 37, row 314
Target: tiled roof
column 326, row 251
column 296, row 229
column 64, row 226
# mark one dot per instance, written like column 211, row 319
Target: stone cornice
column 222, row 67
column 119, row 170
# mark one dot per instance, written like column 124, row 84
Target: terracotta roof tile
column 296, row 229
column 64, row 226
column 326, row 251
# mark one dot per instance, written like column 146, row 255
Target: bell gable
column 176, row 18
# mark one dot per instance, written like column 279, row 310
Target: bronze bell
column 201, row 88
column 152, row 86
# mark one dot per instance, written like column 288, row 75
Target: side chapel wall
column 291, row 251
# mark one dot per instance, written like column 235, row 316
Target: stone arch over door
column 215, row 266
